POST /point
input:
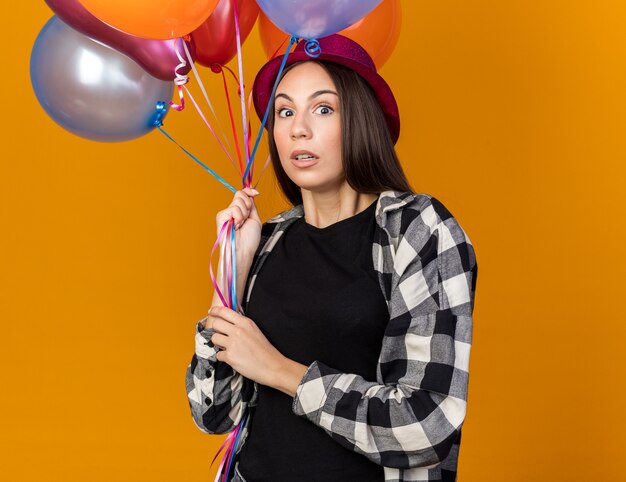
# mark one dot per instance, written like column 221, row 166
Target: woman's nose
column 300, row 128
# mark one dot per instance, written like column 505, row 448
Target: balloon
column 215, row 40
column 367, row 32
column 91, row 89
column 156, row 19
column 158, row 57
column 314, row 19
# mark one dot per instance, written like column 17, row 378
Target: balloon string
column 228, row 256
column 229, row 454
column 230, row 435
column 231, row 73
column 279, row 47
column 227, row 276
column 233, row 285
column 204, row 93
column 251, row 172
column 221, row 267
column 249, row 125
column 269, row 104
column 231, row 439
column 228, row 259
column 213, row 278
column 229, row 446
column 238, row 431
column 267, row 161
column 241, row 91
column 229, row 271
column 224, row 444
column 203, row 117
column 207, row 168
column 250, row 98
column 232, row 122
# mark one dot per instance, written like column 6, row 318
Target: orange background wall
column 513, row 116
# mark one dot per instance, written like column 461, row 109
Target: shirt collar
column 388, row 201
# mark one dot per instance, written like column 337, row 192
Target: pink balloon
column 157, row 57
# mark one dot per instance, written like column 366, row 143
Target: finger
column 237, row 214
column 251, row 191
column 207, row 322
column 227, row 314
column 223, row 326
column 222, row 356
column 250, row 205
column 242, row 196
column 241, row 204
column 222, row 217
column 220, row 341
column 254, row 214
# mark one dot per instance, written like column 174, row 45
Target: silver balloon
column 91, row 89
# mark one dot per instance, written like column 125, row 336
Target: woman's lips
column 304, row 162
column 307, row 158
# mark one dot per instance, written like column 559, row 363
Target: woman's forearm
column 244, row 263
column 288, row 375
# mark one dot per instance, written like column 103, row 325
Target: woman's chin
column 317, row 185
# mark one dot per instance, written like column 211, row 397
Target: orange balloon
column 377, row 32
column 154, row 19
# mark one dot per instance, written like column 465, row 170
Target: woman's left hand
column 244, row 347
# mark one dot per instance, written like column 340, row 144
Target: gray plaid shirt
column 409, row 419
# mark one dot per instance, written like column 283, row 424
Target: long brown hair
column 370, row 162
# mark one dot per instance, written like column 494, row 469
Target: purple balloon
column 316, row 18
column 157, row 57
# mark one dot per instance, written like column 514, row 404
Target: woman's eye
column 284, row 112
column 324, row 110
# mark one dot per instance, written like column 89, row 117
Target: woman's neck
column 321, row 209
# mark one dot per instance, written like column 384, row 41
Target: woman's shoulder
column 287, row 214
column 278, row 223
column 413, row 203
column 417, row 216
column 400, row 210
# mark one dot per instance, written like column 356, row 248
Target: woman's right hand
column 247, row 223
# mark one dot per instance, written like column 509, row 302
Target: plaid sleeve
column 413, row 414
column 217, row 394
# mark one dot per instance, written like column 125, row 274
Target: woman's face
column 307, row 128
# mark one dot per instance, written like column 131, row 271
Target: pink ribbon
column 220, row 236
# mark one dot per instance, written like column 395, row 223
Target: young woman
column 352, row 357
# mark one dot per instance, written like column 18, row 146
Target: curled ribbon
column 180, row 79
column 312, row 48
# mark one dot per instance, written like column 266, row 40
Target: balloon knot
column 161, row 110
column 216, row 68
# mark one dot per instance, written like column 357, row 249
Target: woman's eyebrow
column 285, row 96
column 321, row 92
column 312, row 96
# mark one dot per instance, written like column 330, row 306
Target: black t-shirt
column 316, row 298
